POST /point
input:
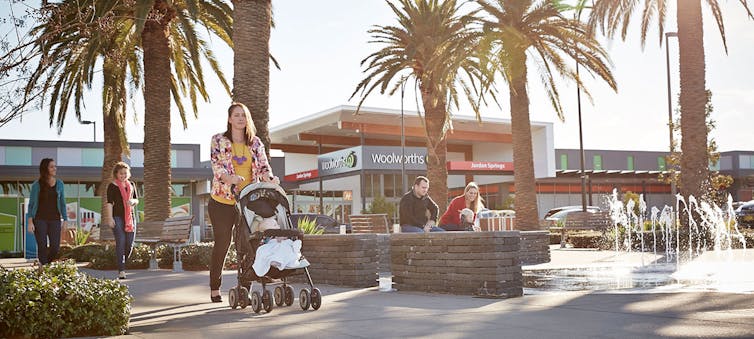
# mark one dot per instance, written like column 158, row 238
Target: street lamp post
column 94, row 128
column 403, row 141
column 581, row 146
column 670, row 101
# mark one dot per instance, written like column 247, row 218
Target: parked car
column 745, row 214
column 554, row 218
column 592, row 209
column 331, row 225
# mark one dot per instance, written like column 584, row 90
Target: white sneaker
column 122, row 275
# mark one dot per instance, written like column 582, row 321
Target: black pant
column 223, row 218
column 45, row 230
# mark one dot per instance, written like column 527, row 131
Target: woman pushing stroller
column 238, row 158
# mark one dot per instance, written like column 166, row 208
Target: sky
column 319, row 45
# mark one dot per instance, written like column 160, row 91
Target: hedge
column 59, row 301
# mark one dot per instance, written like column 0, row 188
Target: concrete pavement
column 174, row 305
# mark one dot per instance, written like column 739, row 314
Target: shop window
column 69, row 156
column 92, row 157
column 726, row 163
column 173, row 158
column 18, row 156
column 181, row 190
column 564, row 161
column 597, row 162
column 137, row 158
column 368, row 187
column 630, row 163
column 746, row 161
column 389, row 187
column 661, row 163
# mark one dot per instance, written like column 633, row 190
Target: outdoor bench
column 369, row 223
column 172, row 231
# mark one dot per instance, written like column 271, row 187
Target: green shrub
column 380, row 205
column 586, row 239
column 84, row 252
column 105, row 258
column 309, row 226
column 195, row 257
column 59, row 301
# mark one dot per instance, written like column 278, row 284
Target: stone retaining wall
column 344, row 260
column 475, row 263
column 534, row 247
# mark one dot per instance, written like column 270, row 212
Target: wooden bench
column 584, row 221
column 172, row 231
column 369, row 223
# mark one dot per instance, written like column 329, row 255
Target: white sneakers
column 122, row 275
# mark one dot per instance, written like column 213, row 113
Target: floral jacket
column 221, row 154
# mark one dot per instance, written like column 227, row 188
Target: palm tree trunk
column 693, row 98
column 525, row 201
column 113, row 118
column 251, row 64
column 157, row 75
column 437, row 170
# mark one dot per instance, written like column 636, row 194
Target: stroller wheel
column 304, row 299
column 316, row 298
column 279, row 296
column 288, row 295
column 267, row 301
column 256, row 302
column 243, row 297
column 233, row 298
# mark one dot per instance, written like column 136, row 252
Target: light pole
column 94, row 129
column 403, row 140
column 670, row 102
column 581, row 146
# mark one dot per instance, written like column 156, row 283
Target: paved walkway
column 174, row 305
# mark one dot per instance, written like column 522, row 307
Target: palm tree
column 70, row 41
column 614, row 15
column 252, row 20
column 78, row 33
column 435, row 45
column 518, row 28
column 173, row 51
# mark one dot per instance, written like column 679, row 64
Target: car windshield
column 562, row 214
column 551, row 212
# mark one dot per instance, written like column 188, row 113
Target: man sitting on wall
column 418, row 211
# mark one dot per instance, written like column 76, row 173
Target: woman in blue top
column 46, row 209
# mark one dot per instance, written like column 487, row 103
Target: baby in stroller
column 268, row 251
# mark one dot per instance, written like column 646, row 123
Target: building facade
column 79, row 166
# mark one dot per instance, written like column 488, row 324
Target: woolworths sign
column 389, row 158
column 372, row 158
column 342, row 161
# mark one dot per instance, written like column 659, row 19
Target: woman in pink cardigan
column 451, row 219
column 238, row 158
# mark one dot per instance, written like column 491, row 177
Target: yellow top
column 242, row 166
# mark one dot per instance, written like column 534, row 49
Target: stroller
column 254, row 203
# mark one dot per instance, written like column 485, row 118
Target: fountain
column 655, row 253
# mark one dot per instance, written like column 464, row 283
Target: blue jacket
column 34, row 199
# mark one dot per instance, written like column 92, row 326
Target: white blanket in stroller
column 280, row 254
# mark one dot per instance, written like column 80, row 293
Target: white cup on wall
column 342, row 229
column 396, row 228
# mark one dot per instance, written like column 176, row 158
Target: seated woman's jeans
column 123, row 243
column 417, row 229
